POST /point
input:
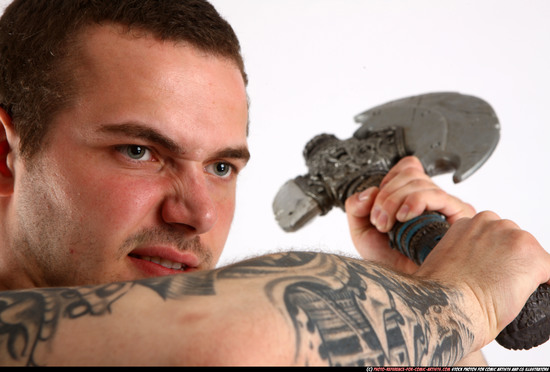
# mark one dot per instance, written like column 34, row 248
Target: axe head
column 447, row 131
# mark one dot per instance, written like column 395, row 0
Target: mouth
column 153, row 261
column 172, row 265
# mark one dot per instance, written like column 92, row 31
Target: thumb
column 358, row 208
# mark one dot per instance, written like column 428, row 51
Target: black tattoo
column 351, row 315
column 343, row 310
column 30, row 317
column 190, row 285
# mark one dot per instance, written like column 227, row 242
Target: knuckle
column 415, row 198
column 512, row 236
column 391, row 203
column 422, row 182
column 462, row 221
column 486, row 216
column 424, row 190
column 383, row 194
column 521, row 244
column 412, row 161
column 437, row 192
column 468, row 208
column 506, row 224
column 523, row 239
column 415, row 173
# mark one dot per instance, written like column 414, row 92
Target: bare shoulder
column 291, row 308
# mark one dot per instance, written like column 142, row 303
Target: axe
column 448, row 132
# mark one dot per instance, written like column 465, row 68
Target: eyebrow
column 141, row 131
column 241, row 153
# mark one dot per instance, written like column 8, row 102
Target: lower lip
column 152, row 269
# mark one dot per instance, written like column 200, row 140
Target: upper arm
column 132, row 324
column 293, row 308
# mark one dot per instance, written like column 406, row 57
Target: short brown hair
column 37, row 37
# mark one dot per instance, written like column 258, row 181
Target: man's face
column 139, row 174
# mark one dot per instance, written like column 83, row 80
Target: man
column 124, row 128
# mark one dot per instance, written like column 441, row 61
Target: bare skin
column 136, row 169
column 405, row 193
column 288, row 309
column 144, row 164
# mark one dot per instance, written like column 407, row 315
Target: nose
column 191, row 205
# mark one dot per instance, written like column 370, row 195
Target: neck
column 12, row 272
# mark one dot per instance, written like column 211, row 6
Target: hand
column 494, row 264
column 405, row 192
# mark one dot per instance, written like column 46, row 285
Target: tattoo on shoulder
column 342, row 310
column 351, row 313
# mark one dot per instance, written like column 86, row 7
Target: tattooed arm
column 292, row 308
column 303, row 308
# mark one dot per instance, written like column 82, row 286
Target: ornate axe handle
column 446, row 131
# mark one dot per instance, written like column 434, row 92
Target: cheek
column 116, row 202
column 226, row 211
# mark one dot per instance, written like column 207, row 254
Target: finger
column 358, row 208
column 388, row 200
column 408, row 162
column 412, row 200
column 403, row 175
column 369, row 242
column 409, row 193
column 363, row 234
column 408, row 200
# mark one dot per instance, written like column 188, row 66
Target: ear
column 8, row 140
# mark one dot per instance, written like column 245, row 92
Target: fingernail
column 374, row 215
column 402, row 213
column 365, row 195
column 382, row 221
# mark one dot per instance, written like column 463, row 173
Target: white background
column 314, row 64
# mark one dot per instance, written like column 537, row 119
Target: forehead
column 104, row 49
column 129, row 76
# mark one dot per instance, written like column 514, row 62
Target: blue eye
column 220, row 169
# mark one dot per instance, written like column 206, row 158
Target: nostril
column 195, row 215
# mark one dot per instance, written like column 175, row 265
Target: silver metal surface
column 447, row 131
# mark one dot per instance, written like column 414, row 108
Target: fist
column 404, row 193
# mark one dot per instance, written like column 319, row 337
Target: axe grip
column 417, row 237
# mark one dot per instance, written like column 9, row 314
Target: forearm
column 358, row 313
column 294, row 308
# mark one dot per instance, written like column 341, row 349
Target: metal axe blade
column 447, row 131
